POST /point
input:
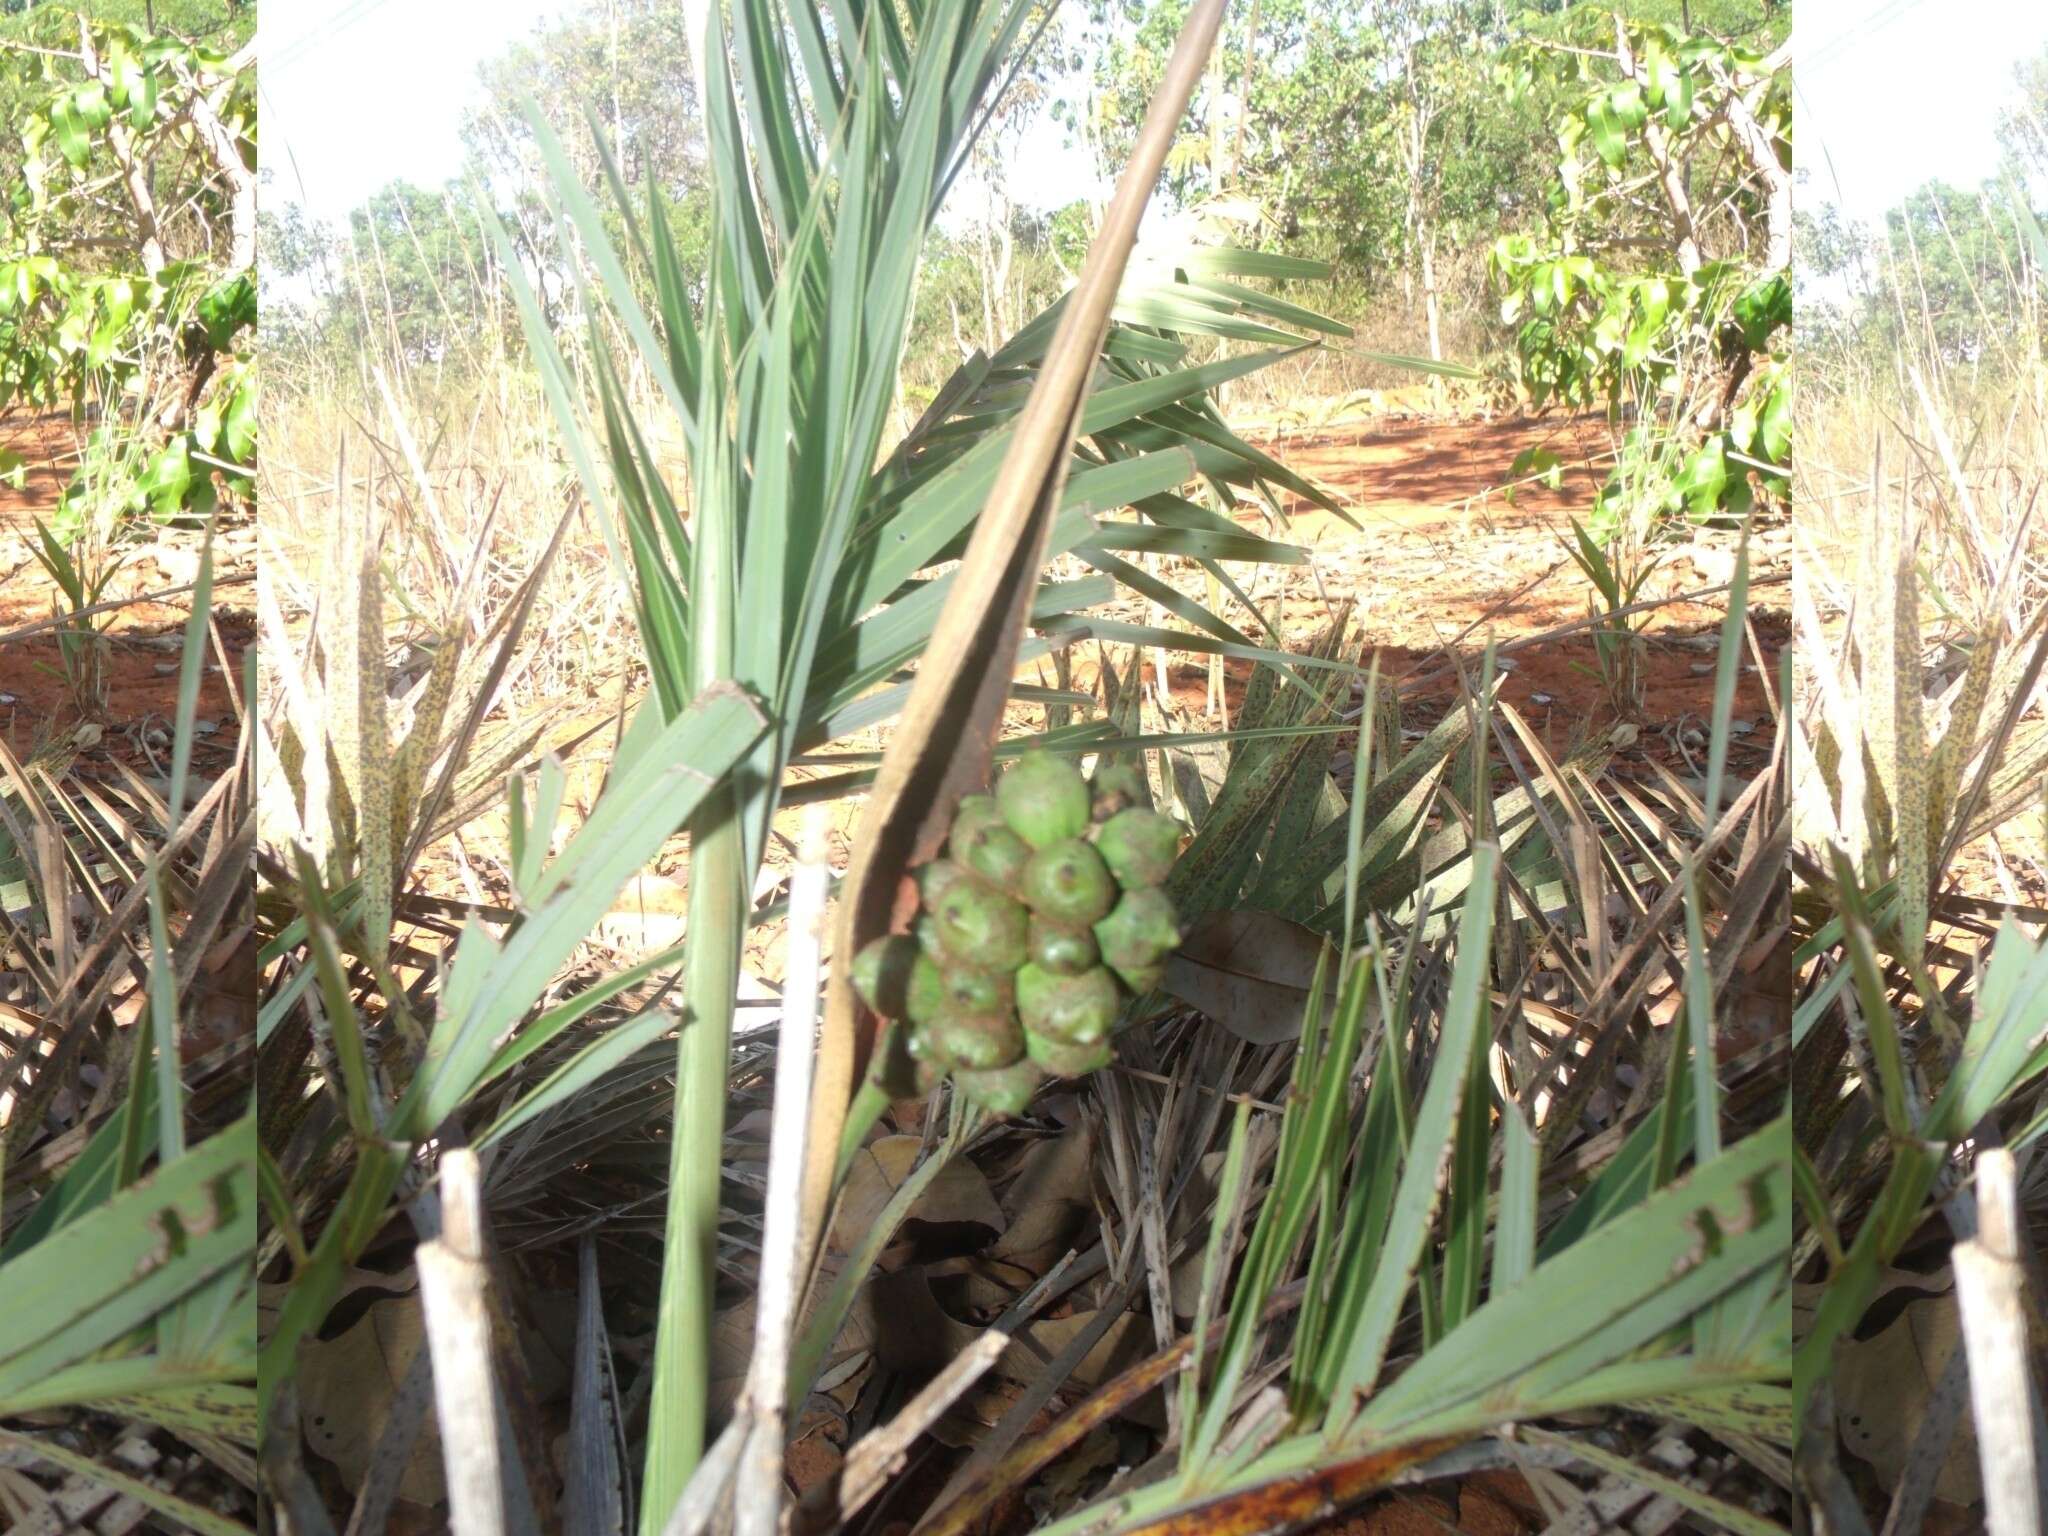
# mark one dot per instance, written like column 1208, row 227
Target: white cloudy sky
column 1887, row 94
column 356, row 93
column 1893, row 93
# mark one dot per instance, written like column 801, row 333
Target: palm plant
column 1422, row 1267
column 1669, row 1295
column 770, row 572
column 790, row 567
column 81, row 570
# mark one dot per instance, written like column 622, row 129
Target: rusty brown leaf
column 1249, row 971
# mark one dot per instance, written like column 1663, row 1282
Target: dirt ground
column 1441, row 560
column 39, row 709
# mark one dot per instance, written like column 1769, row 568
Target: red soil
column 1440, row 561
column 37, row 704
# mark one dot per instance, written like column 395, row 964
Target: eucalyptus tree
column 1370, row 131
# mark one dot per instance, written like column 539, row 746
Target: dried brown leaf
column 1249, row 971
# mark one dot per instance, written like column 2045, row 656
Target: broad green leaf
column 112, row 1269
column 1598, row 1301
column 1604, row 127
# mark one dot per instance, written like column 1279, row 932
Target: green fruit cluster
column 1045, row 911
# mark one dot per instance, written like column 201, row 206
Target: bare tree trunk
column 1409, row 242
column 227, row 159
column 1416, row 221
column 1219, row 165
column 618, row 122
column 1244, row 89
column 988, row 282
column 1412, row 162
column 1430, row 306
column 1006, row 252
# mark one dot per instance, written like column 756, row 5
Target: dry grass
column 1922, row 846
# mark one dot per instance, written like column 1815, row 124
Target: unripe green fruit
column 1141, row 931
column 1139, row 847
column 1076, row 1009
column 996, row 854
column 1117, row 785
column 1069, row 883
column 980, row 927
column 924, row 999
column 1043, row 800
column 928, row 1051
column 935, row 877
column 970, row 989
column 972, row 814
column 978, row 1043
column 1140, row 979
column 1063, row 1060
column 1003, row 1091
column 881, row 973
column 926, row 931
column 1062, row 950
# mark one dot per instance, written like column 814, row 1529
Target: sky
column 327, row 146
column 1891, row 93
column 1887, row 94
column 354, row 93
